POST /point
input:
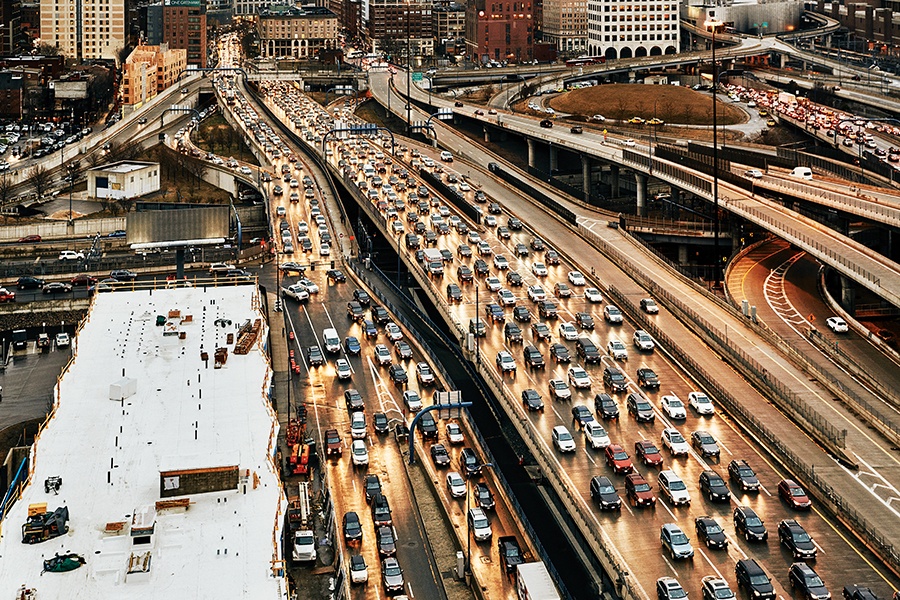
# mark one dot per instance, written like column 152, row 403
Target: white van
column 331, row 340
column 802, row 173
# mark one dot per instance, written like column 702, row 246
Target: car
column 291, row 267
column 617, row 458
column 380, row 423
column 710, row 532
column 446, row 156
column 382, row 355
column 440, row 456
column 536, row 293
column 428, row 427
column 753, row 173
column 643, row 341
column 424, row 374
column 578, row 377
column 674, row 488
column 456, row 484
column 126, row 275
column 595, row 434
column 70, row 255
column 716, row 588
column 562, row 439
column 668, row 588
column 311, row 287
column 581, row 415
column 546, row 123
column 794, row 495
column 511, row 333
column 506, row 297
column 384, row 539
column 335, row 276
column 612, row 314
column 612, row 376
column 57, row 287
column 83, row 279
column 647, row 378
column 398, row 374
column 560, row 353
column 354, row 401
column 605, row 407
column 484, row 249
column 391, row 576
column 505, row 362
column 675, row 442
column 567, row 331
column 532, row 400
column 314, row 356
column 464, row 273
column 500, row 262
column 380, row 315
column 559, row 389
column 7, row 295
column 513, row 278
column 713, row 486
column 354, row 308
column 807, row 582
column 503, row 233
column 794, row 537
column 30, row 239
column 648, row 305
column 533, row 357
column 673, row 407
column 352, row 345
column 561, row 290
column 748, row 524
column 63, row 340
column 359, row 453
column 481, row 267
column 484, row 499
column 358, row 425
column 412, row 401
column 751, row 577
column 539, row 269
column 454, row 433
column 576, row 278
column 362, row 297
column 521, row 250
column 648, row 453
column 674, row 540
column 471, row 464
column 584, row 320
column 858, row 592
column 493, row 284
column 29, row 283
column 704, row 443
column 359, row 571
column 477, row 327
column 837, row 325
column 701, row 403
column 352, row 527
column 740, row 472
column 479, row 524
column 521, row 314
column 638, row 490
column 640, row 408
column 593, row 295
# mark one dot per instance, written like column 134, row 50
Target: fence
column 60, row 229
column 522, row 185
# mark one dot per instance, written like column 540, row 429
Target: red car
column 30, row 238
column 791, row 492
column 638, row 491
column 648, row 453
column 83, row 279
column 618, row 459
column 7, row 295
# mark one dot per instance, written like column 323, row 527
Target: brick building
column 84, row 29
column 180, row 24
column 149, row 70
column 499, row 31
column 296, row 32
column 388, row 23
column 12, row 95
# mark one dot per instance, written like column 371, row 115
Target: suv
column 71, row 255
column 603, row 492
column 354, row 400
column 638, row 491
column 794, row 495
column 586, row 349
column 713, row 486
column 606, row 407
column 615, row 379
column 793, row 537
column 751, row 576
column 355, row 311
column 381, row 511
column 641, row 408
column 674, row 488
column 806, row 580
column 675, row 541
column 533, row 357
column 746, row 521
column 470, row 462
column 512, row 333
column 740, row 473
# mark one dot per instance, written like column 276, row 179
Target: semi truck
column 533, row 582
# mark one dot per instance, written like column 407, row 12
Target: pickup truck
column 510, row 552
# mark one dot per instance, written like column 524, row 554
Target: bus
column 583, row 61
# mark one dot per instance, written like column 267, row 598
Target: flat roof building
column 296, row 32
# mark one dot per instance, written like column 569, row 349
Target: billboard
column 169, row 227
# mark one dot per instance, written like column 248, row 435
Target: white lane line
column 705, row 557
column 666, row 506
column 669, row 564
column 590, row 458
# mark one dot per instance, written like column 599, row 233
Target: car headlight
column 756, row 593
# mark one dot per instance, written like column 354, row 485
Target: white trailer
column 533, row 582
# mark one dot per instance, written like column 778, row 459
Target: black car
column 398, row 374
column 614, row 379
column 521, row 314
column 710, row 532
column 794, row 537
column 404, row 351
column 532, row 400
column 57, row 287
column 714, row 487
column 752, row 578
column 606, row 407
column 581, row 414
column 123, row 275
column 370, row 329
column 533, row 357
column 440, row 456
column 537, row 244
column 548, row 309
column 481, row 267
column 380, row 423
column 454, row 294
column 640, row 408
column 494, row 208
column 471, row 464
column 428, row 427
column 387, row 544
column 463, row 251
column 362, row 297
column 647, row 378
column 739, row 472
column 514, row 224
column 372, row 486
column 29, row 283
column 352, row 527
column 805, row 580
column 584, row 320
column 748, row 524
column 858, row 592
column 336, row 276
column 603, row 492
column 705, row 444
column 352, row 346
column 521, row 250
column 430, row 237
column 512, row 333
column 380, row 315
column 381, row 511
column 484, row 499
column 314, row 356
column 494, row 312
column 353, row 400
column 586, row 349
column 513, row 278
column 464, row 273
column 560, row 353
column 355, row 311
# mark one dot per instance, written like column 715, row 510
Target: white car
column 359, row 453
column 536, row 293
column 454, row 433
column 672, row 486
column 593, row 295
column 612, row 314
column 296, row 291
column 393, row 331
column 673, row 406
column 342, row 366
column 358, row 425
column 617, row 349
column 359, row 571
column 324, row 249
column 412, row 400
column 675, row 442
column 595, row 435
column 304, row 546
column 628, row 142
column 71, row 255
column 479, row 524
column 490, row 221
column 473, row 237
column 493, row 284
column 484, row 249
column 63, row 340
column 643, row 340
column 753, row 173
column 383, row 355
column 539, row 269
column 506, row 297
column 456, row 484
column 311, row 287
column 302, row 228
column 567, row 331
column 578, row 377
column 576, row 278
column 701, row 403
column 559, row 389
column 505, row 362
column 446, row 156
column 837, row 325
column 500, row 262
column 562, row 439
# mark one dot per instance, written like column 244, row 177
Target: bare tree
column 39, row 178
column 126, row 204
column 6, row 185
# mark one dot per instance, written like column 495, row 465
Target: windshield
column 675, row 403
column 814, row 581
column 607, row 489
column 616, row 376
column 480, row 523
column 620, row 456
column 713, row 528
column 391, row 570
column 676, row 594
column 304, row 540
column 618, row 346
column 559, row 385
column 676, row 438
column 724, row 593
column 359, row 449
column 797, row 492
column 701, row 399
column 608, row 403
column 598, row 432
column 642, row 487
column 754, row 521
column 677, row 485
column 745, row 472
column 645, row 406
column 643, row 337
column 565, row 436
column 614, row 311
column 706, row 439
column 801, row 537
column 758, row 580
column 679, row 539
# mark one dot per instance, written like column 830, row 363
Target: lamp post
column 468, row 524
column 714, row 23
column 408, row 71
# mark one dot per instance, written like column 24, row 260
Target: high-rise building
column 180, row 24
column 347, row 12
column 499, row 31
column 448, row 21
column 389, row 24
column 296, row 32
column 565, row 24
column 633, row 28
column 84, row 29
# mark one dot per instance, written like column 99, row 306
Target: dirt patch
column 216, row 135
column 671, row 103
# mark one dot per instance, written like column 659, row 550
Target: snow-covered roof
column 200, row 424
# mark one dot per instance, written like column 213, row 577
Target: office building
column 296, row 32
column 499, row 31
column 149, row 70
column 389, row 25
column 632, row 29
column 84, row 29
column 565, row 25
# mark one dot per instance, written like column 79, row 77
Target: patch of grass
column 217, row 136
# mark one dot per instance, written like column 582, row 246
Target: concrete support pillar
column 532, row 159
column 672, row 208
column 587, row 167
column 641, row 181
column 487, row 134
column 848, row 295
column 554, row 158
column 614, row 180
column 682, row 254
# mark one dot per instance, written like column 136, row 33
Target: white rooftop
column 124, row 166
column 177, row 415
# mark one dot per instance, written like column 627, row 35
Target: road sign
column 417, row 76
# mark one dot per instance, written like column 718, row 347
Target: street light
column 714, row 23
column 468, row 524
column 71, row 171
column 408, row 72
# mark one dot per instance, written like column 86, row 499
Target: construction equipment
column 52, row 484
column 41, row 527
column 62, row 563
column 298, row 462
